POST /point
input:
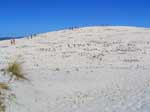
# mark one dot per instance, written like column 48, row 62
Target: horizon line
column 65, row 28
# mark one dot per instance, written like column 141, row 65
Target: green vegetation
column 2, row 106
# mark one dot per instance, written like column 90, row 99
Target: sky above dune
column 24, row 17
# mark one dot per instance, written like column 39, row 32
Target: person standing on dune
column 14, row 42
column 11, row 42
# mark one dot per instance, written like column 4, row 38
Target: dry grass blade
column 15, row 69
column 4, row 86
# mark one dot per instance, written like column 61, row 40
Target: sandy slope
column 93, row 69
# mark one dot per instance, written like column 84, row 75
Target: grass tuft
column 2, row 106
column 4, row 86
column 15, row 70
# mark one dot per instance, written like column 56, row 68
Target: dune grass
column 15, row 70
column 2, row 107
column 4, row 86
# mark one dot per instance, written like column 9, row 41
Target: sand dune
column 92, row 69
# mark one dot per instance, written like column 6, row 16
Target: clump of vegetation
column 2, row 106
column 4, row 86
column 15, row 70
column 57, row 69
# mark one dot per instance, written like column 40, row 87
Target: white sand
column 93, row 69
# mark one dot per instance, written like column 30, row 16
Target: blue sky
column 22, row 17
